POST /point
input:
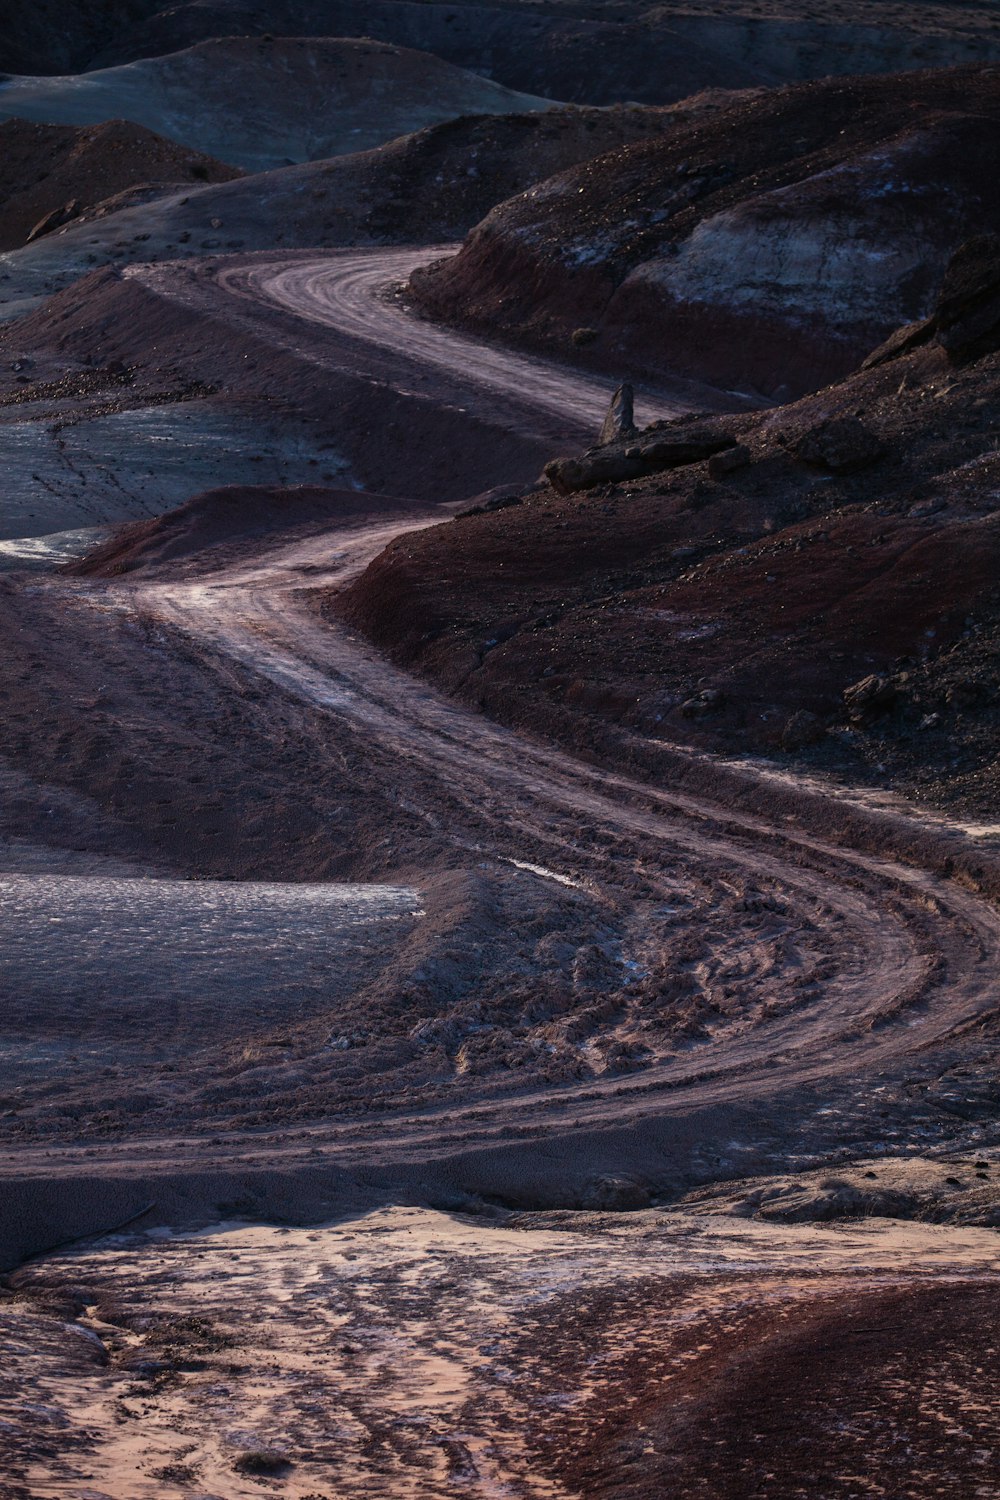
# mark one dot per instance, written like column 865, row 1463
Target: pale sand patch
column 384, row 1356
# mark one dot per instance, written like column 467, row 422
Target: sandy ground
column 412, row 1353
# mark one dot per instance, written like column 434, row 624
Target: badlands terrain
column 498, row 751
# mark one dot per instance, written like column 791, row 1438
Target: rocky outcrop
column 867, row 699
column 967, row 315
column 661, row 447
column 965, row 321
column 620, row 420
column 55, row 220
column 770, row 247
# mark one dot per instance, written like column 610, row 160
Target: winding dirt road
column 400, row 1350
column 351, row 293
column 910, row 958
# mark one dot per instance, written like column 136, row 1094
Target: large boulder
column 841, row 444
column 659, row 448
column 967, row 315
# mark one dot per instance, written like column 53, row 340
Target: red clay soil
column 64, row 171
column 790, row 191
column 223, row 515
column 731, row 613
column 854, row 1393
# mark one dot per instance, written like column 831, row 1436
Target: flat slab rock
column 653, row 452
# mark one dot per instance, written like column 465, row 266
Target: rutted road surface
column 910, row 958
column 402, row 1351
column 348, row 293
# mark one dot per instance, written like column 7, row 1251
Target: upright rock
column 620, row 420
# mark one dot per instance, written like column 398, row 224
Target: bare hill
column 262, row 103
column 233, row 512
column 428, row 187
column 768, row 245
column 824, row 585
column 59, row 36
column 600, row 54
column 53, row 174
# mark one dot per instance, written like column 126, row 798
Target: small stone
column 703, row 703
column 802, row 728
column 728, row 461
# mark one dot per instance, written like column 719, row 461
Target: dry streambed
column 413, row 1353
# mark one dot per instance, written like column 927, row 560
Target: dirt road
column 563, row 988
column 352, row 293
column 826, row 964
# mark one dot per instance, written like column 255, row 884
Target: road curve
column 351, row 291
column 896, row 919
column 916, row 955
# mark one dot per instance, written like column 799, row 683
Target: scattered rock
column 801, row 730
column 842, row 444
column 616, row 1194
column 703, row 703
column 869, row 698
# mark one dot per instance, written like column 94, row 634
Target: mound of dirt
column 598, row 55
column 50, row 175
column 814, row 598
column 430, row 187
column 827, row 1392
column 233, row 513
column 768, row 246
column 263, row 103
column 952, row 1190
